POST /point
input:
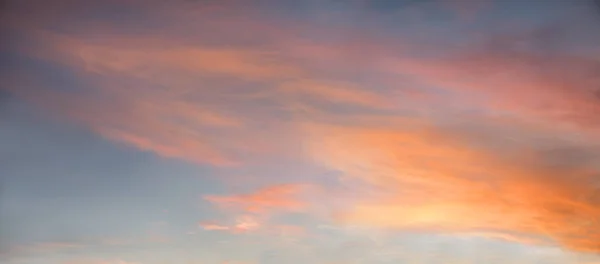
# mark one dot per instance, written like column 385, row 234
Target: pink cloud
column 558, row 88
column 209, row 99
column 253, row 212
column 273, row 198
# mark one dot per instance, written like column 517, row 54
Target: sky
column 300, row 132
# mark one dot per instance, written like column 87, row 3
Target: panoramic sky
column 300, row 132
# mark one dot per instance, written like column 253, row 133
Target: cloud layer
column 429, row 180
column 494, row 134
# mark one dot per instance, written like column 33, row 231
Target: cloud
column 179, row 88
column 427, row 179
column 192, row 101
column 246, row 224
column 521, row 73
column 255, row 211
column 285, row 197
column 341, row 92
column 179, row 121
column 211, row 226
column 242, row 224
column 507, row 236
column 173, row 96
column 249, row 65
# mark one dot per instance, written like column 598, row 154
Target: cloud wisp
column 429, row 180
column 256, row 211
column 495, row 136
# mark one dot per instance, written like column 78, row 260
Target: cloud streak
column 515, row 73
column 273, row 198
column 243, row 224
column 432, row 181
column 256, row 211
column 494, row 136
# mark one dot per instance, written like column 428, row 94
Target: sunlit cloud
column 209, row 226
column 272, row 198
column 340, row 92
column 429, row 180
column 254, row 211
column 514, row 73
column 242, row 224
column 493, row 135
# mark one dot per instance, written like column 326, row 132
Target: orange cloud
column 193, row 99
column 243, row 224
column 429, row 179
column 180, row 98
column 253, row 212
column 246, row 223
column 272, row 198
column 211, row 226
column 180, row 121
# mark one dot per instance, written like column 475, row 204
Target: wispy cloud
column 254, row 211
column 429, row 180
column 242, row 224
column 273, row 198
column 515, row 73
column 211, row 226
column 338, row 92
column 494, row 135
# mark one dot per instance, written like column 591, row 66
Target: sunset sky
column 300, row 132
